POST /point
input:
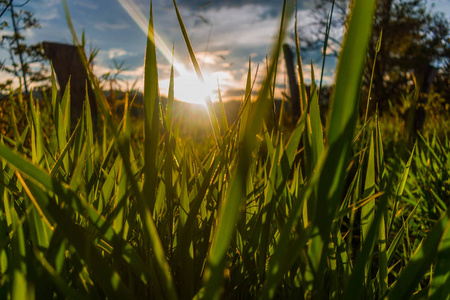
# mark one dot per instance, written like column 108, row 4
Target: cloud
column 240, row 31
column 198, row 5
column 45, row 10
column 212, row 59
column 223, row 34
column 116, row 52
column 137, row 72
column 4, row 77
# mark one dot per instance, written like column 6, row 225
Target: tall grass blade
column 315, row 127
column 303, row 96
column 160, row 260
column 247, row 101
column 90, row 153
column 223, row 116
column 151, row 143
column 37, row 141
column 440, row 283
column 400, row 189
column 228, row 213
column 151, row 119
column 211, row 112
column 188, row 43
column 414, row 271
column 368, row 210
column 20, row 288
column 170, row 96
column 340, row 132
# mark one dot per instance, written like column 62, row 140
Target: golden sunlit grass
column 109, row 211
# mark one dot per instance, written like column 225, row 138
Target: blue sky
column 223, row 33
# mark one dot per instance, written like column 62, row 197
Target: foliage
column 23, row 58
column 323, row 213
column 414, row 40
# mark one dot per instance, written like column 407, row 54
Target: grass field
column 128, row 209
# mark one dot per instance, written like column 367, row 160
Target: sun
column 189, row 88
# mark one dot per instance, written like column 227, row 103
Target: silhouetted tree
column 415, row 41
column 22, row 57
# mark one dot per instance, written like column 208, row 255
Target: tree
column 313, row 30
column 22, row 57
column 414, row 41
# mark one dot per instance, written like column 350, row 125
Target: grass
column 320, row 213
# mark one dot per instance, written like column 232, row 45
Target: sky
column 224, row 34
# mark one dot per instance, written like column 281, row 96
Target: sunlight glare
column 187, row 87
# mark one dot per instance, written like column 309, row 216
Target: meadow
column 130, row 209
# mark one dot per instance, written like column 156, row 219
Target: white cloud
column 46, row 10
column 116, row 52
column 138, row 72
column 212, row 58
column 239, row 27
column 222, row 46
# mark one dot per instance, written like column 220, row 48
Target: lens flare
column 188, row 87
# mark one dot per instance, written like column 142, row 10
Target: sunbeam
column 188, row 87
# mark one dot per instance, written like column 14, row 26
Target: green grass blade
column 17, row 136
column 90, row 153
column 78, row 236
column 223, row 116
column 281, row 260
column 54, row 92
column 214, row 121
column 57, row 279
column 247, row 101
column 61, row 126
column 151, row 118
column 315, row 127
column 170, row 96
column 81, row 240
column 440, row 284
column 377, row 50
column 401, row 188
column 303, row 97
column 414, row 271
column 65, row 108
column 356, row 284
column 210, row 108
column 188, row 43
column 160, row 260
column 64, row 152
column 340, row 131
column 228, row 213
column 37, row 141
column 151, row 143
column 396, row 242
column 368, row 210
